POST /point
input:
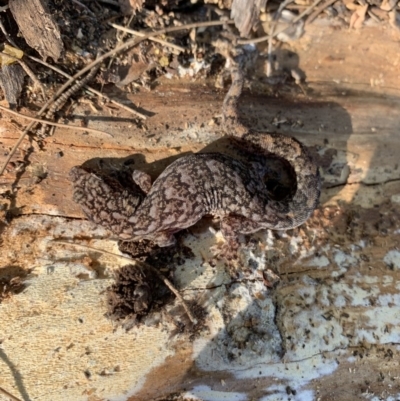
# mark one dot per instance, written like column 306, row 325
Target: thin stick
column 32, row 75
column 140, row 34
column 135, row 262
column 124, row 46
column 90, row 12
column 318, row 11
column 90, row 89
column 7, row 394
column 111, row 2
column 54, row 124
column 307, row 11
column 3, row 29
column 271, row 34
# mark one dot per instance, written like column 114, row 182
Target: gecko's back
column 194, row 186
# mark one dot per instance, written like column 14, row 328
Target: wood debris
column 11, row 81
column 38, row 27
column 246, row 14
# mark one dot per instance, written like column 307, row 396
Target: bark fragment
column 11, row 81
column 38, row 27
column 246, row 13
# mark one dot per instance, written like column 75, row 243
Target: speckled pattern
column 206, row 184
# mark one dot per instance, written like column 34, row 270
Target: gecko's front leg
column 231, row 227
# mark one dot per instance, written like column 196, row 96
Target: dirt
column 137, row 291
column 11, row 281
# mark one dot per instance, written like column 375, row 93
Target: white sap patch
column 383, row 327
column 340, row 301
column 294, row 244
column 193, row 69
column 387, row 280
column 204, row 393
column 389, row 300
column 395, row 198
column 343, row 260
column 319, row 262
column 373, row 397
column 306, row 395
column 392, row 259
column 296, row 374
column 243, row 335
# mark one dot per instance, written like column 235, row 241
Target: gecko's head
column 279, row 179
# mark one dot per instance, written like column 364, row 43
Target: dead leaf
column 350, row 5
column 129, row 7
column 358, row 17
column 388, row 5
column 10, row 51
column 393, row 20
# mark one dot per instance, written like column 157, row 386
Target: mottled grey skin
column 206, row 184
column 103, row 198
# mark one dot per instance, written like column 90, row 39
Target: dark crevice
column 363, row 183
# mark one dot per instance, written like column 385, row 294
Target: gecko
column 201, row 184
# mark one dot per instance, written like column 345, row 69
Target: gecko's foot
column 137, row 249
column 164, row 239
column 227, row 252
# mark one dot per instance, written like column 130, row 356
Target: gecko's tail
column 293, row 210
column 104, row 199
column 230, row 118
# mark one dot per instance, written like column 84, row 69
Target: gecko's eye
column 276, row 190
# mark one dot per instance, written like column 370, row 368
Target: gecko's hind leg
column 231, row 227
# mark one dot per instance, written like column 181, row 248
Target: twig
column 120, row 38
column 318, row 11
column 7, row 394
column 140, row 34
column 306, row 11
column 111, row 2
column 90, row 12
column 145, row 265
column 3, row 29
column 52, row 123
column 271, row 34
column 124, row 46
column 32, row 76
column 90, row 89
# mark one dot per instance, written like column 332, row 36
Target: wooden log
column 329, row 328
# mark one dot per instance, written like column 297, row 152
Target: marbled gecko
column 206, row 184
